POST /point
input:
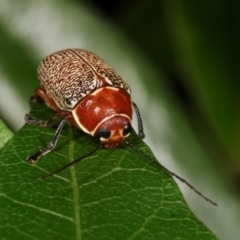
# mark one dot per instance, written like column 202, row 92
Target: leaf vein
column 37, row 208
column 75, row 189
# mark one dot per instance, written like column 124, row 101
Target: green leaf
column 5, row 134
column 113, row 194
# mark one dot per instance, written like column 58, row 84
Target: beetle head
column 113, row 131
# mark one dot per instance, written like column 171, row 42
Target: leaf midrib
column 75, row 189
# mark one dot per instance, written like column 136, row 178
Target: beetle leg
column 139, row 119
column 30, row 119
column 51, row 145
column 33, row 99
column 41, row 92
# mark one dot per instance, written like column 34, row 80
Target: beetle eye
column 127, row 129
column 103, row 133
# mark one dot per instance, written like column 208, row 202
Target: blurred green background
column 181, row 59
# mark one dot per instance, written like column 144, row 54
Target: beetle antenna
column 70, row 164
column 141, row 133
column 169, row 172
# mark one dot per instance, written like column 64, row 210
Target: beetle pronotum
column 88, row 94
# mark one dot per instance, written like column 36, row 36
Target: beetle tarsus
column 34, row 158
column 30, row 119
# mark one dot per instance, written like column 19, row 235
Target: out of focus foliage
column 181, row 60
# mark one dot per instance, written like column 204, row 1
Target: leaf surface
column 113, row 194
column 5, row 134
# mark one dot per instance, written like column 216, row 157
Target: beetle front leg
column 34, row 158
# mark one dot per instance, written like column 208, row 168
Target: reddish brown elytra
column 88, row 94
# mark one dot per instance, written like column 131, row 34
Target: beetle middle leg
column 51, row 145
column 41, row 93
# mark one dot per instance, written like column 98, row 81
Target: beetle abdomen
column 70, row 75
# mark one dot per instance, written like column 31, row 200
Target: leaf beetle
column 90, row 95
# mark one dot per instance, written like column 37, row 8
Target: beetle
column 87, row 93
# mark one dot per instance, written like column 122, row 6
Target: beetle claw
column 33, row 158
